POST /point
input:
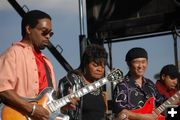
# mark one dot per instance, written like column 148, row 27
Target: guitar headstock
column 115, row 75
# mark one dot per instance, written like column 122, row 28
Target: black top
column 93, row 107
column 90, row 107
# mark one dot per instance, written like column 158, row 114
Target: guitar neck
column 114, row 75
column 171, row 101
column 79, row 93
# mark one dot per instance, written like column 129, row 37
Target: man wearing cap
column 167, row 84
column 135, row 89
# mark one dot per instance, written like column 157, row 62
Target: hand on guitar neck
column 129, row 115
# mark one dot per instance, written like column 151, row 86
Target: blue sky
column 65, row 18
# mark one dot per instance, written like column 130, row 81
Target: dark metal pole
column 175, row 49
column 175, row 34
column 59, row 57
column 82, row 37
column 17, row 7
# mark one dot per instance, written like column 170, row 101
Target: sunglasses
column 45, row 33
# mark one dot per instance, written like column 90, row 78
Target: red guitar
column 149, row 106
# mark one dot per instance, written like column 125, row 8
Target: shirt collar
column 25, row 45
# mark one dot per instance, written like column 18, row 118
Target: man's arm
column 10, row 98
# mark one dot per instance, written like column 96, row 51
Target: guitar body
column 160, row 117
column 148, row 108
column 9, row 113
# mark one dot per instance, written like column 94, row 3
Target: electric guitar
column 149, row 106
column 45, row 98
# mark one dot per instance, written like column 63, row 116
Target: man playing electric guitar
column 22, row 67
column 134, row 91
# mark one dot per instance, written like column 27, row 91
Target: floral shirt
column 128, row 95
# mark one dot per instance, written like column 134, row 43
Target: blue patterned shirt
column 128, row 95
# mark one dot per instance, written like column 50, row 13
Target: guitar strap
column 48, row 75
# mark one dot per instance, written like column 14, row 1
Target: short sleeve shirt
column 18, row 70
column 128, row 95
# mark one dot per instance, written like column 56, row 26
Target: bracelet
column 33, row 110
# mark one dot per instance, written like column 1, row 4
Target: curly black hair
column 93, row 52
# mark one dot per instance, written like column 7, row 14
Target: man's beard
column 42, row 47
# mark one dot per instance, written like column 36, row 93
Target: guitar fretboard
column 114, row 75
column 171, row 101
column 79, row 93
